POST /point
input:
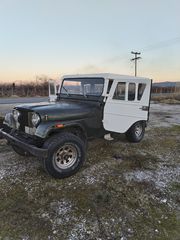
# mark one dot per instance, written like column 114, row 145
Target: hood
column 62, row 110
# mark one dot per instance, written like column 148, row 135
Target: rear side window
column 141, row 88
column 120, row 91
column 131, row 91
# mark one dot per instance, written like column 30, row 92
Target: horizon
column 21, row 82
column 39, row 37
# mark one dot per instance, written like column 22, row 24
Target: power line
column 162, row 44
column 150, row 47
column 135, row 61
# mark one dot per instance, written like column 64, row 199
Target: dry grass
column 169, row 99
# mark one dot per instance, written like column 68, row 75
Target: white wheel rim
column 138, row 130
column 65, row 156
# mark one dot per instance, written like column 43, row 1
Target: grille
column 23, row 120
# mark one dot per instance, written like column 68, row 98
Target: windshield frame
column 81, row 95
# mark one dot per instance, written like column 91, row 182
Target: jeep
column 84, row 106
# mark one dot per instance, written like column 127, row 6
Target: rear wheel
column 66, row 154
column 136, row 132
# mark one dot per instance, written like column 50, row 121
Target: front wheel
column 136, row 132
column 66, row 154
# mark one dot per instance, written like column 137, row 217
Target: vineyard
column 24, row 89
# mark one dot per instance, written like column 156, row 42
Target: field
column 168, row 98
column 124, row 191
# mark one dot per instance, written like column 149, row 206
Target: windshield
column 83, row 86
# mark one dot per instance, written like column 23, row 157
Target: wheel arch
column 76, row 129
column 144, row 122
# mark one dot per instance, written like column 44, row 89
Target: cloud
column 89, row 68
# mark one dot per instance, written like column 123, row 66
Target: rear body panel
column 123, row 110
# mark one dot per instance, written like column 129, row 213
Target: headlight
column 35, row 119
column 16, row 114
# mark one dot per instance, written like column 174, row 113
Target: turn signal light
column 59, row 126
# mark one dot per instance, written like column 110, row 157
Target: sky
column 57, row 37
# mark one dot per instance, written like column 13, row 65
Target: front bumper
column 35, row 151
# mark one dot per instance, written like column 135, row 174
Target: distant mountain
column 165, row 84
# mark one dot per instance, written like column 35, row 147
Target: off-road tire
column 136, row 132
column 54, row 145
column 20, row 151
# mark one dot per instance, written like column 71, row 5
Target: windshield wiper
column 65, row 90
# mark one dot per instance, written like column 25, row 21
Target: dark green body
column 82, row 113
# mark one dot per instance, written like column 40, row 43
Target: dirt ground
column 124, row 190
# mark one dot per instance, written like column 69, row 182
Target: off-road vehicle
column 85, row 106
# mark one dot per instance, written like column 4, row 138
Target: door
column 52, row 91
column 127, row 103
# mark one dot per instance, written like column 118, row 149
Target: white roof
column 105, row 75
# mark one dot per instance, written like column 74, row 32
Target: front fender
column 45, row 128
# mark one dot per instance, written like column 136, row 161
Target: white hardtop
column 106, row 76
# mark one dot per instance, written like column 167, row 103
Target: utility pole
column 135, row 59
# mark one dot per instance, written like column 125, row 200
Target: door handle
column 144, row 108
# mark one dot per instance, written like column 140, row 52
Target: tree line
column 38, row 88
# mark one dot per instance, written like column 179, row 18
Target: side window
column 120, row 90
column 131, row 91
column 141, row 88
